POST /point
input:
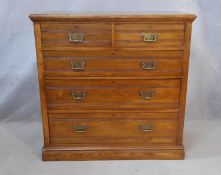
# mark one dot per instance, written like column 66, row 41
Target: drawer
column 155, row 36
column 112, row 94
column 71, row 35
column 90, row 66
column 120, row 64
column 120, row 131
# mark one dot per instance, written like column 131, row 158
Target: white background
column 20, row 128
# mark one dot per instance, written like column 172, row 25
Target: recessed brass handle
column 147, row 95
column 77, row 66
column 79, row 95
column 76, row 37
column 146, row 127
column 148, row 65
column 80, row 128
column 149, row 37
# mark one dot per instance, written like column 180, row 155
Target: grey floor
column 20, row 154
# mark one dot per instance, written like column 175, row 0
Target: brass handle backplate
column 80, row 128
column 147, row 95
column 148, row 65
column 76, row 37
column 77, row 66
column 149, row 37
column 146, row 127
column 79, row 95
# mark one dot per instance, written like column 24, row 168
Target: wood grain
column 41, row 77
column 113, row 94
column 113, row 78
column 109, row 66
column 111, row 128
column 113, row 17
column 169, row 35
column 116, row 154
column 95, row 35
column 114, row 115
column 184, row 81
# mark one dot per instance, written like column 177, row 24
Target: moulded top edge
column 124, row 16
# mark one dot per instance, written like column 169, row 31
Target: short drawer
column 157, row 36
column 112, row 94
column 75, row 35
column 120, row 131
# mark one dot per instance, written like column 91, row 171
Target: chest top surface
column 110, row 16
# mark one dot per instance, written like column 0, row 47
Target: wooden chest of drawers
column 113, row 86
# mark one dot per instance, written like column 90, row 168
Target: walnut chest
column 113, row 86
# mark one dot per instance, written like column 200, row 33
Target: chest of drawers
column 113, row 86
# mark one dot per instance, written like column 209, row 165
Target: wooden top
column 124, row 16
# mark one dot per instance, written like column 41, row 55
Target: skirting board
column 53, row 154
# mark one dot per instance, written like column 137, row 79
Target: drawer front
column 70, row 35
column 118, row 131
column 150, row 36
column 109, row 66
column 109, row 94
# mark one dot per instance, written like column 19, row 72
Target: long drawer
column 112, row 66
column 119, row 131
column 118, row 64
column 112, row 94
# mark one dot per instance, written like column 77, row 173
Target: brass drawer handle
column 147, row 95
column 76, row 37
column 149, row 37
column 146, row 127
column 77, row 66
column 79, row 95
column 80, row 128
column 148, row 65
